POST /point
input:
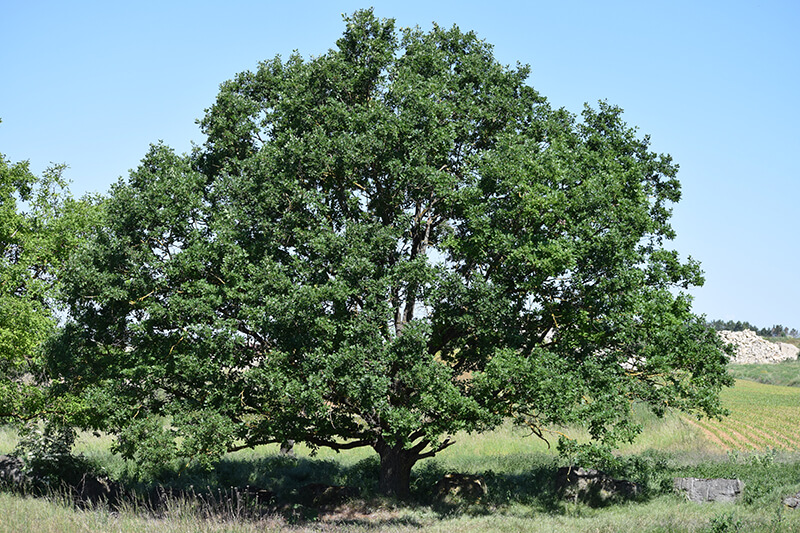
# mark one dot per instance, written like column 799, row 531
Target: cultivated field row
column 761, row 417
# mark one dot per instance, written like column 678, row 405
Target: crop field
column 761, row 417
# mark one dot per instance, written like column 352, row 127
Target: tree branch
column 339, row 446
column 443, row 446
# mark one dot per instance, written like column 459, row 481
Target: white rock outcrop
column 750, row 348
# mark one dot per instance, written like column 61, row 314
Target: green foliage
column 725, row 523
column 40, row 225
column 46, row 452
column 732, row 325
column 382, row 246
column 25, row 320
column 47, row 462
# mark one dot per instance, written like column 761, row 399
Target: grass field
column 758, row 443
column 786, row 373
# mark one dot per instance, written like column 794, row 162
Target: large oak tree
column 383, row 246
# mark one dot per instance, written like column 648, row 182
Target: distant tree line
column 774, row 331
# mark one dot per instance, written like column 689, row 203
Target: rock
column 244, row 501
column 460, row 487
column 96, row 489
column 709, row 490
column 789, row 352
column 320, row 494
column 593, row 486
column 255, row 494
column 87, row 488
column 792, row 502
column 750, row 348
column 11, row 472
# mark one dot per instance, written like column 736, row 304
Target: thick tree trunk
column 396, row 464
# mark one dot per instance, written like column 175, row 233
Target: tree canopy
column 383, row 246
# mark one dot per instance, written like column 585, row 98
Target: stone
column 751, row 349
column 320, row 494
column 85, row 489
column 461, row 487
column 709, row 489
column 593, row 486
column 287, row 448
column 96, row 489
column 255, row 494
column 11, row 472
column 792, row 502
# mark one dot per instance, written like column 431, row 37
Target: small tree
column 39, row 224
column 380, row 247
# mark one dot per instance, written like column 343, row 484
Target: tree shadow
column 300, row 489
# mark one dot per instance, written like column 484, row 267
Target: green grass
column 786, row 373
column 518, row 469
column 8, row 440
column 667, row 514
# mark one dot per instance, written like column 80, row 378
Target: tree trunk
column 287, row 448
column 396, row 464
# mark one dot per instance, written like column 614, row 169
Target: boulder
column 709, row 490
column 84, row 488
column 593, row 486
column 244, row 501
column 320, row 494
column 287, row 448
column 96, row 489
column 453, row 488
column 12, row 474
column 792, row 502
column 254, row 494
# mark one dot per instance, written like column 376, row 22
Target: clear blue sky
column 715, row 84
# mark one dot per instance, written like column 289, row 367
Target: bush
column 45, row 450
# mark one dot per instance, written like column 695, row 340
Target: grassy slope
column 786, row 373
